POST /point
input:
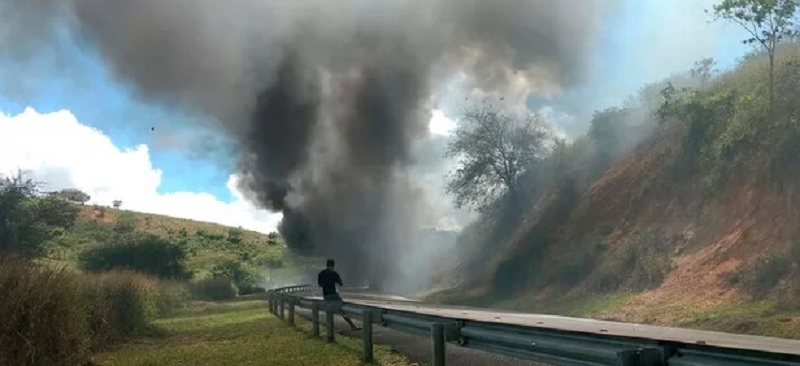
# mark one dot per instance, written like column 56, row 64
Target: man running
column 328, row 278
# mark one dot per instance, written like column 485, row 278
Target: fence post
column 315, row 319
column 437, row 337
column 282, row 302
column 366, row 336
column 329, row 324
column 291, row 311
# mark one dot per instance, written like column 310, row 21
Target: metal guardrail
column 551, row 346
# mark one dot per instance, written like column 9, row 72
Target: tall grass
column 57, row 317
column 119, row 304
column 43, row 319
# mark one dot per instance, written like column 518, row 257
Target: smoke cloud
column 326, row 100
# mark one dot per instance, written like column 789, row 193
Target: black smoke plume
column 326, row 99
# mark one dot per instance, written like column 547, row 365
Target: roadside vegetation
column 77, row 280
column 678, row 207
column 238, row 332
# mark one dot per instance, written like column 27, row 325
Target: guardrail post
column 366, row 336
column 269, row 302
column 641, row 357
column 437, row 337
column 291, row 311
column 315, row 319
column 329, row 324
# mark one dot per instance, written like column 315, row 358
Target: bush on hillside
column 235, row 235
column 767, row 273
column 213, row 289
column 242, row 275
column 770, row 271
column 146, row 253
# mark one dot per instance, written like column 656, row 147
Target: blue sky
column 90, row 93
column 642, row 41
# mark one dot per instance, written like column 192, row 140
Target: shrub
column 240, row 273
column 55, row 317
column 235, row 235
column 122, row 304
column 251, row 289
column 172, row 295
column 43, row 319
column 146, row 253
column 768, row 272
column 213, row 289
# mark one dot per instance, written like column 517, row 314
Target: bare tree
column 703, row 70
column 493, row 150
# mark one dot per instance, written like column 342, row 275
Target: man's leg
column 349, row 321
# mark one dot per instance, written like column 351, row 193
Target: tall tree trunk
column 771, row 84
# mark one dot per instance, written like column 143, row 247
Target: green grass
column 239, row 332
column 755, row 318
column 587, row 306
column 594, row 306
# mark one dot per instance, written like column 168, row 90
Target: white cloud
column 440, row 124
column 63, row 153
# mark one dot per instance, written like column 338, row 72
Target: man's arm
column 339, row 279
column 319, row 279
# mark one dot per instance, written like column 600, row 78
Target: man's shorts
column 333, row 303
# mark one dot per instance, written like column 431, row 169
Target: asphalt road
column 679, row 335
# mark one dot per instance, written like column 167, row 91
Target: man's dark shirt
column 327, row 279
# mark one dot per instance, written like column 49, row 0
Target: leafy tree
column 73, row 195
column 699, row 111
column 55, row 212
column 494, row 150
column 606, row 135
column 28, row 221
column 236, row 271
column 767, row 22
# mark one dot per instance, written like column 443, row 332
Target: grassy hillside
column 207, row 244
column 82, row 280
column 695, row 225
